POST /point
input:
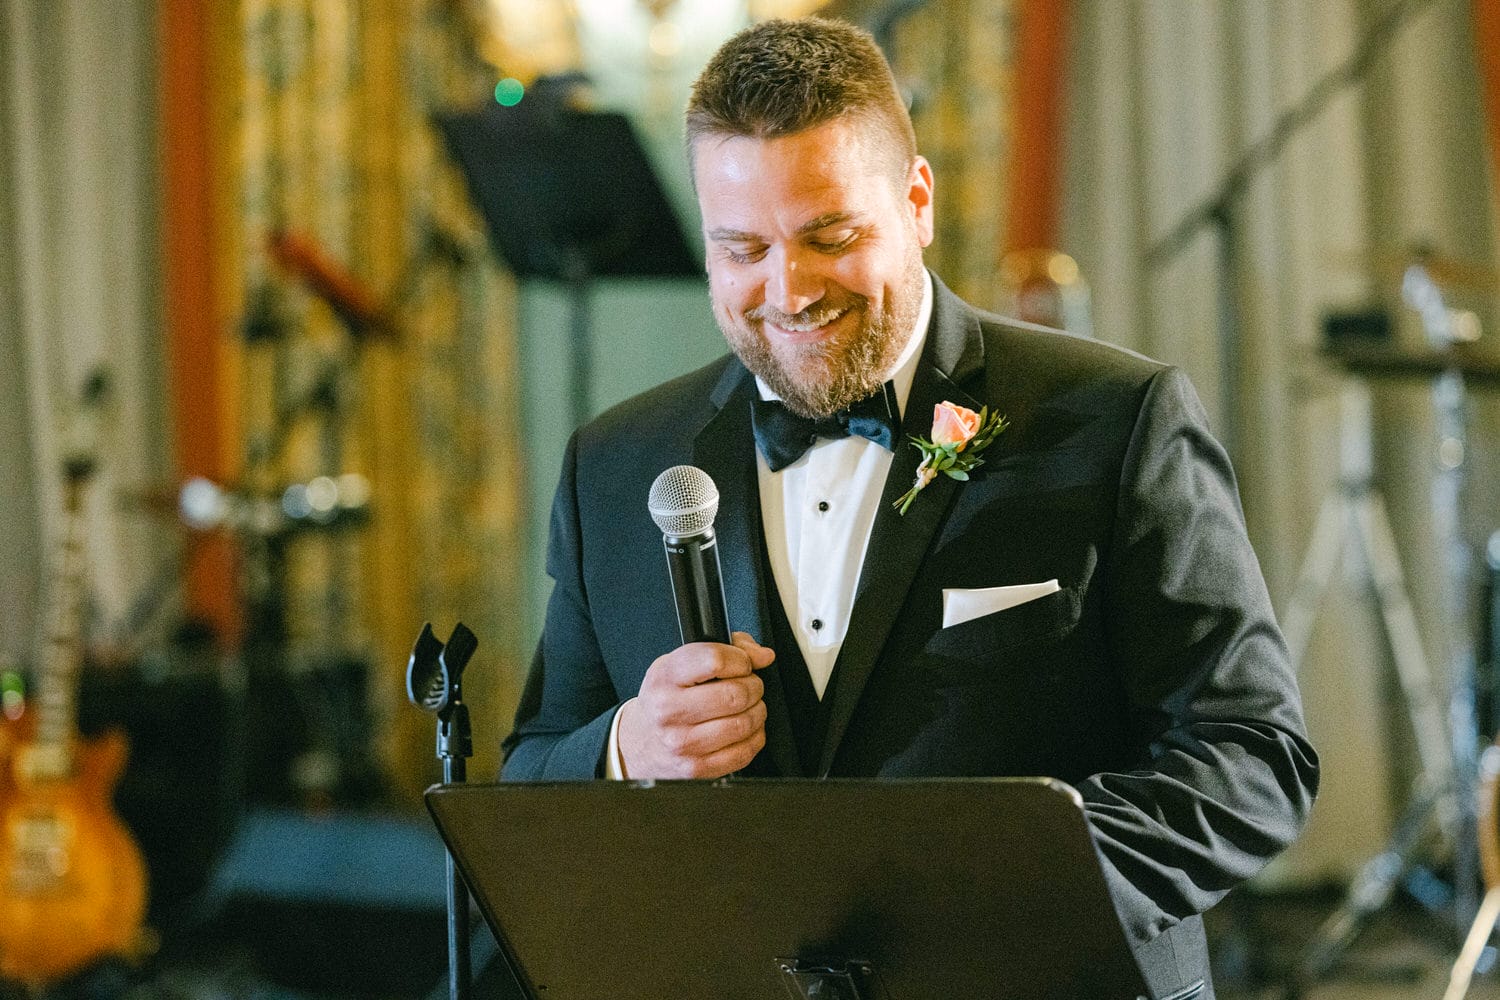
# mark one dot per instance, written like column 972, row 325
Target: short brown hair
column 781, row 76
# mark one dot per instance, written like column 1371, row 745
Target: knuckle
column 662, row 669
column 734, row 699
column 732, row 661
column 718, row 699
column 744, row 725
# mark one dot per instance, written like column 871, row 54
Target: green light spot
column 509, row 92
column 12, row 695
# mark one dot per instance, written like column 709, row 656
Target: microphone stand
column 433, row 683
column 1217, row 212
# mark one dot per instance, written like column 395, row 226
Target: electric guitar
column 72, row 882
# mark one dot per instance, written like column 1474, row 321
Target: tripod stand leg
column 1430, row 729
column 1372, row 888
column 1314, row 575
column 1468, row 958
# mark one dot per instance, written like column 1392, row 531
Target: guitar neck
column 56, row 688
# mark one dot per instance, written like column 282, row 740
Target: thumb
column 760, row 656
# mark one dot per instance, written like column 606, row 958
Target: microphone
column 683, row 502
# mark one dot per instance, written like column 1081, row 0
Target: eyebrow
column 823, row 222
column 811, row 226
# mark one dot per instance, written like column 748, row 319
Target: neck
column 57, row 681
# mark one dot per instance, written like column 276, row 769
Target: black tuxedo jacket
column 1156, row 681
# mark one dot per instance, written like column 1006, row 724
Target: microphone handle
column 697, row 588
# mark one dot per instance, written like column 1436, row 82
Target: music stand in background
column 839, row 889
column 568, row 195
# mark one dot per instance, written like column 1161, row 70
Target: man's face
column 814, row 257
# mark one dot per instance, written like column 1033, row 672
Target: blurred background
column 300, row 300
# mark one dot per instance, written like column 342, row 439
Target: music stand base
column 819, row 980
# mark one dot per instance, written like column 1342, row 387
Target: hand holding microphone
column 699, row 713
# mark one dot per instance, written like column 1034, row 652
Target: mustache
column 808, row 319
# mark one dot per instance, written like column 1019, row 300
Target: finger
column 732, row 758
column 708, row 738
column 697, row 663
column 711, row 736
column 760, row 656
column 718, row 699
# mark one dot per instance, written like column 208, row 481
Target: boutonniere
column 958, row 436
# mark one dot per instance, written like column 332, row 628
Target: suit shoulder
column 1045, row 381
column 1065, row 356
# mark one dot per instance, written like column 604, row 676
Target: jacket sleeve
column 563, row 720
column 1225, row 775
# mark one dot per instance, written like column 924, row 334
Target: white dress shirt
column 817, row 514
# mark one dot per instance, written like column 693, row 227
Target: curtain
column 1166, row 98
column 79, row 293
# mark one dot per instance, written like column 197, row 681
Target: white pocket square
column 960, row 606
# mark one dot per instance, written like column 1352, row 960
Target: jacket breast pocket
column 964, row 651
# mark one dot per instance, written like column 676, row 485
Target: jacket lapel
column 725, row 449
column 953, row 355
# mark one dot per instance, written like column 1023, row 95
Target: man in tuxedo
column 1086, row 605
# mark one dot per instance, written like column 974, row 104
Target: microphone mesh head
column 683, row 501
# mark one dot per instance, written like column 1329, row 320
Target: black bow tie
column 783, row 437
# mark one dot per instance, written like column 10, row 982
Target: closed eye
column 842, row 241
column 746, row 255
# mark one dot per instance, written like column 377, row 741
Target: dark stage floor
column 1404, row 952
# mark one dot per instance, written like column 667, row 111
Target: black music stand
column 568, row 195
column 791, row 889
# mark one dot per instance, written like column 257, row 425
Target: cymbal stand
column 1355, row 512
column 1446, row 748
column 1445, row 327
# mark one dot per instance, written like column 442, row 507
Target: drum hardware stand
column 433, row 676
column 1445, row 748
column 1357, row 508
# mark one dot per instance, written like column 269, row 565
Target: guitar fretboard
column 56, row 691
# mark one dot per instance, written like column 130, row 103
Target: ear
column 919, row 195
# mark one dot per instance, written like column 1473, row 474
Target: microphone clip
column 434, row 683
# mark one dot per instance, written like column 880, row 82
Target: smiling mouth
column 806, row 329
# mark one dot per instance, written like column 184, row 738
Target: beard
column 819, row 379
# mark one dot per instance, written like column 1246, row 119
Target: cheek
column 730, row 291
column 862, row 276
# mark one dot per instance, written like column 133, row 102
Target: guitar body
column 72, row 882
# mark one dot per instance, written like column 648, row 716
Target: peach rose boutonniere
column 958, row 436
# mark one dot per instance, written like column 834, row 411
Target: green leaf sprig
column 954, row 460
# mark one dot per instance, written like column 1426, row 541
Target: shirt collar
column 904, row 371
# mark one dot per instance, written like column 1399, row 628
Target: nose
column 793, row 284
